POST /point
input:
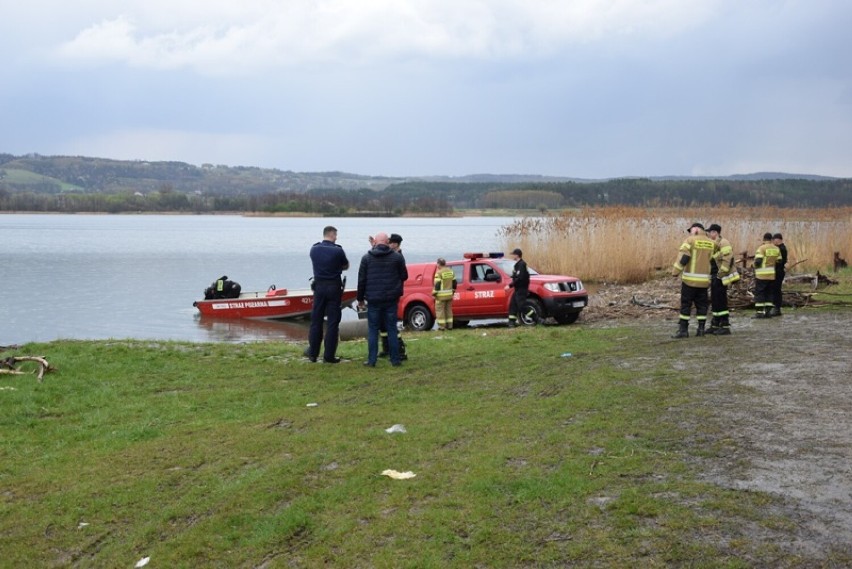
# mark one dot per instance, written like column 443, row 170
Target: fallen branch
column 656, row 304
column 813, row 280
column 7, row 365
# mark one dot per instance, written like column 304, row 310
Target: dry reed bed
column 631, row 245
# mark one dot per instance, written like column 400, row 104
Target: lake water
column 136, row 276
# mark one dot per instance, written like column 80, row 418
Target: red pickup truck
column 481, row 279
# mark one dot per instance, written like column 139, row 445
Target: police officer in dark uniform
column 329, row 262
column 521, row 284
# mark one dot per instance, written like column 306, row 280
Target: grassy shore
column 203, row 455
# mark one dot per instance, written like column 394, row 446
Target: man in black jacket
column 395, row 243
column 521, row 284
column 380, row 278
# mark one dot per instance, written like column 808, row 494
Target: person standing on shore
column 395, row 243
column 521, row 284
column 693, row 267
column 443, row 291
column 722, row 273
column 380, row 280
column 329, row 261
column 765, row 258
column 780, row 272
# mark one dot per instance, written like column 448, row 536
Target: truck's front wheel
column 567, row 318
column 532, row 312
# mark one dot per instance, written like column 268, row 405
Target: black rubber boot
column 682, row 330
column 724, row 327
column 715, row 325
column 700, row 328
column 775, row 311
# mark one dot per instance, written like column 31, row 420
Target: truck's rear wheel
column 419, row 318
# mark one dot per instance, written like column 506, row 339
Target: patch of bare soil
column 784, row 398
column 776, row 403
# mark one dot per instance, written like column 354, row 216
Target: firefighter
column 445, row 286
column 693, row 266
column 521, row 284
column 780, row 265
column 723, row 272
column 765, row 258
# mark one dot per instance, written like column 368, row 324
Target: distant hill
column 59, row 174
column 750, row 177
column 82, row 184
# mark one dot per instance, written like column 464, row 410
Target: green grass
column 16, row 176
column 208, row 455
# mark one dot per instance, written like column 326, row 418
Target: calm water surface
column 104, row 276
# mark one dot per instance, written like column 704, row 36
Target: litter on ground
column 398, row 475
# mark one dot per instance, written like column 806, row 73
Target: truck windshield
column 508, row 265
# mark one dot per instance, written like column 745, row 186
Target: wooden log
column 9, row 364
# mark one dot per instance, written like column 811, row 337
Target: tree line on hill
column 76, row 184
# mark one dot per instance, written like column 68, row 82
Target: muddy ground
column 778, row 414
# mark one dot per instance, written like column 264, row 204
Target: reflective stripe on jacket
column 764, row 261
column 444, row 284
column 698, row 249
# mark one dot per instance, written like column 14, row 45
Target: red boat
column 273, row 304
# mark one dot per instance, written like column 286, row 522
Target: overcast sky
column 582, row 88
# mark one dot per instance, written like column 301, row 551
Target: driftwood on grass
column 814, row 280
column 648, row 299
column 741, row 293
column 8, row 365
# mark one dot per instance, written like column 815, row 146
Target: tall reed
column 629, row 244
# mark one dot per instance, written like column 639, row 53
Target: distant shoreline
column 455, row 214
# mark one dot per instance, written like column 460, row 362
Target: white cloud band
column 211, row 36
